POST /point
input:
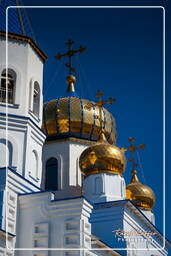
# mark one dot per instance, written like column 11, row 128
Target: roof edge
column 27, row 39
column 128, row 203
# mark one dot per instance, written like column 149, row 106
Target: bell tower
column 21, row 99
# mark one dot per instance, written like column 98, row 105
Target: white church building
column 62, row 187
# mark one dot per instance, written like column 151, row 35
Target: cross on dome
column 133, row 148
column 71, row 80
column 70, row 53
column 100, row 103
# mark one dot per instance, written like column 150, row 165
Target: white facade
column 68, row 219
column 149, row 215
column 104, row 187
column 67, row 153
column 70, row 223
column 11, row 185
column 28, row 66
column 24, row 136
column 122, row 225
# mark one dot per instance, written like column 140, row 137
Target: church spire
column 71, row 79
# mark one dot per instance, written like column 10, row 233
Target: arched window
column 7, row 86
column 36, row 99
column 51, row 177
column 34, row 164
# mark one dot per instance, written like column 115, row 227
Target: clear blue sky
column 124, row 60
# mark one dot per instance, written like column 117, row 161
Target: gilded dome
column 102, row 158
column 141, row 195
column 68, row 117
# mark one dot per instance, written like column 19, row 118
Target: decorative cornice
column 72, row 139
column 20, row 176
column 23, row 118
column 26, row 39
column 3, row 234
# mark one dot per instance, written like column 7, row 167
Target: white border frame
column 164, row 174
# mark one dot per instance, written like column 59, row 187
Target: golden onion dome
column 68, row 117
column 102, row 158
column 141, row 195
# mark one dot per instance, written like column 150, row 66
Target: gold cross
column 100, row 104
column 70, row 53
column 133, row 148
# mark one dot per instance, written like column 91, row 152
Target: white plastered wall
column 13, row 136
column 28, row 68
column 104, row 187
column 54, row 224
column 24, row 132
column 24, row 138
column 67, row 153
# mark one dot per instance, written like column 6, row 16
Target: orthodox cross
column 133, row 148
column 70, row 53
column 100, row 103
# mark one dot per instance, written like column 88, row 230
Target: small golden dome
column 71, row 79
column 141, row 195
column 102, row 158
column 69, row 117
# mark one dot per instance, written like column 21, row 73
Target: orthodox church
column 62, row 186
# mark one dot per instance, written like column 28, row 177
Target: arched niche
column 34, row 164
column 98, row 186
column 6, row 153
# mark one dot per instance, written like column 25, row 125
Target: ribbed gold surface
column 88, row 118
column 69, row 117
column 102, row 158
column 51, row 113
column 75, row 116
column 62, row 117
column 142, row 195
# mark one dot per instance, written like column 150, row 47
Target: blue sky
column 124, row 59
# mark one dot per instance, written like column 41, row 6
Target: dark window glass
column 7, row 85
column 36, row 99
column 51, row 182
